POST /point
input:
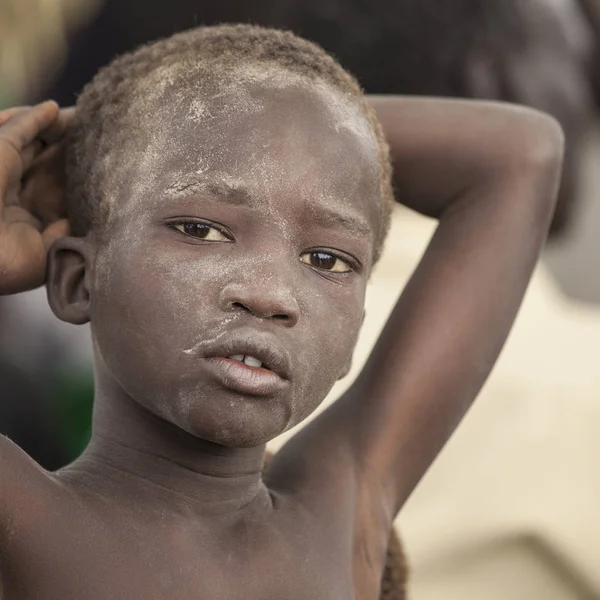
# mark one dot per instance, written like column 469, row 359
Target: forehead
column 272, row 133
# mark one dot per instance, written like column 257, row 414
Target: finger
column 16, row 214
column 43, row 185
column 57, row 130
column 24, row 259
column 31, row 152
column 54, row 132
column 57, row 230
column 18, row 132
column 23, row 127
column 67, row 113
column 28, row 157
column 8, row 113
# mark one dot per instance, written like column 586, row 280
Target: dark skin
column 169, row 499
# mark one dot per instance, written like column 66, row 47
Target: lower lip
column 239, row 377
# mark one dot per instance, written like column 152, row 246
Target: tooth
column 252, row 362
column 238, row 357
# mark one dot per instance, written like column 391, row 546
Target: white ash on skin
column 177, row 143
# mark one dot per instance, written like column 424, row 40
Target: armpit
column 395, row 572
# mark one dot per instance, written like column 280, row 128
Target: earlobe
column 67, row 282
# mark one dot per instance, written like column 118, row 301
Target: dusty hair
column 106, row 119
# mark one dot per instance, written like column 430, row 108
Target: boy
column 228, row 194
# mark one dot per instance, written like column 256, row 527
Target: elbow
column 545, row 158
column 536, row 160
column 543, row 143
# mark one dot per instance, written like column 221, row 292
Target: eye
column 201, row 231
column 326, row 262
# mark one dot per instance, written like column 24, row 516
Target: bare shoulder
column 24, row 490
column 20, row 476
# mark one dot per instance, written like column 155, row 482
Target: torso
column 66, row 542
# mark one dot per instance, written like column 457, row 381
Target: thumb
column 55, row 231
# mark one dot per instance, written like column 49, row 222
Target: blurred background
column 509, row 509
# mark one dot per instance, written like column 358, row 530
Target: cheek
column 164, row 297
column 343, row 327
column 150, row 309
column 334, row 328
column 342, row 316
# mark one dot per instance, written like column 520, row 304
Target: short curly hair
column 110, row 104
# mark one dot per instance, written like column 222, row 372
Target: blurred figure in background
column 575, row 259
column 591, row 11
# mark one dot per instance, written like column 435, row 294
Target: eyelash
column 181, row 225
column 349, row 261
column 351, row 264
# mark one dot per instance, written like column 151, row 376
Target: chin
column 235, row 426
column 233, row 438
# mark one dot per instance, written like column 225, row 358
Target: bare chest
column 104, row 557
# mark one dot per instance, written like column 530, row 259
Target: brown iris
column 326, row 262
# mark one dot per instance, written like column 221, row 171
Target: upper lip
column 250, row 342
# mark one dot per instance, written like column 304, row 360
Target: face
column 229, row 294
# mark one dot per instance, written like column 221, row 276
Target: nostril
column 240, row 305
column 266, row 314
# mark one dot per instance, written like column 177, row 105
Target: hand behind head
column 31, row 192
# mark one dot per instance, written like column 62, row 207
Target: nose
column 263, row 299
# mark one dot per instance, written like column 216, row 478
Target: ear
column 67, row 282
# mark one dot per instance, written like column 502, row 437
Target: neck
column 146, row 455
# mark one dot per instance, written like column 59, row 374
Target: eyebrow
column 333, row 218
column 239, row 195
column 222, row 190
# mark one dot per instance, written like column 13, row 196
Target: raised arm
column 489, row 172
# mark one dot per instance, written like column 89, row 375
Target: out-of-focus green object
column 73, row 392
column 33, row 42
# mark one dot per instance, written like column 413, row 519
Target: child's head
column 233, row 188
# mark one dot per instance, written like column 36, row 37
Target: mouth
column 250, row 362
